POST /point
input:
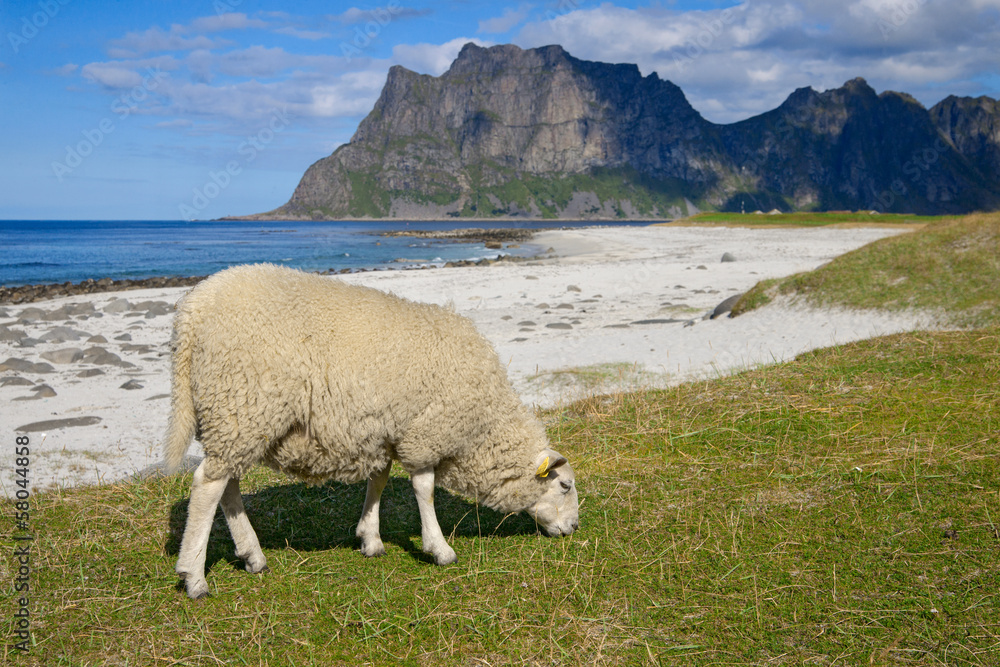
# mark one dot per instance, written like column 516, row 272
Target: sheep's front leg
column 430, row 530
column 247, row 545
column 205, row 496
column 368, row 529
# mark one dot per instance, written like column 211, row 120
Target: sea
column 57, row 251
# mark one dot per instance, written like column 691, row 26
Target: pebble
column 53, row 424
column 25, row 366
column 32, row 314
column 63, row 335
column 11, row 334
column 15, row 381
column 132, row 384
column 659, row 321
column 559, row 325
column 117, row 306
column 725, row 307
column 101, row 357
column 66, row 355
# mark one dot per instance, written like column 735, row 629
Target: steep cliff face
column 972, row 125
column 512, row 132
column 850, row 148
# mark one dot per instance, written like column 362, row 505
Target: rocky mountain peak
column 512, row 132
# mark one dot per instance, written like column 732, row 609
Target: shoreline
column 33, row 293
column 612, row 309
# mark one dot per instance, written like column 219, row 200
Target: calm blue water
column 53, row 251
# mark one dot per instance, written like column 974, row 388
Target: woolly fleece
column 326, row 380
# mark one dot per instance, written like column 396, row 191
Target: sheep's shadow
column 319, row 518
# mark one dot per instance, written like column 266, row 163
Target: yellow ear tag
column 543, row 469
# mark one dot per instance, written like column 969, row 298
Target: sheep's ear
column 550, row 461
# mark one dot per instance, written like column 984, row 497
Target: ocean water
column 53, row 251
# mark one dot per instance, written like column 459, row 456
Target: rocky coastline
column 31, row 293
column 494, row 239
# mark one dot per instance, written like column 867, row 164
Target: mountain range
column 511, row 132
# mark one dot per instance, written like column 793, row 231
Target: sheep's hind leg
column 205, row 496
column 430, row 530
column 247, row 545
column 368, row 527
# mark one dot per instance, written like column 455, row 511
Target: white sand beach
column 612, row 308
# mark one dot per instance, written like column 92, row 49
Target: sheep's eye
column 566, row 485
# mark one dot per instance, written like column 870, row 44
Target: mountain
column 972, row 125
column 538, row 133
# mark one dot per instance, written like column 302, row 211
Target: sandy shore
column 614, row 308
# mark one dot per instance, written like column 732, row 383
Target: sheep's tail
column 183, row 423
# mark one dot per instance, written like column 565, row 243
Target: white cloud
column 155, row 39
column 303, row 34
column 66, row 70
column 506, row 21
column 177, row 123
column 230, row 21
column 121, row 74
column 382, row 14
column 737, row 62
column 432, row 59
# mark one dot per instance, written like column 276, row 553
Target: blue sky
column 117, row 110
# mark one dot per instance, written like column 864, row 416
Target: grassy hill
column 842, row 508
column 950, row 266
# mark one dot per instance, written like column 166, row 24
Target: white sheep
column 325, row 380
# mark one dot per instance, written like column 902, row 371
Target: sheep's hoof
column 198, row 591
column 446, row 558
column 373, row 550
column 256, row 568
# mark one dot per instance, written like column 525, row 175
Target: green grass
column 839, row 509
column 550, row 195
column 950, row 267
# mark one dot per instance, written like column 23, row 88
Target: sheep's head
column 558, row 510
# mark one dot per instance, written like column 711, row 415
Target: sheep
column 325, row 380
